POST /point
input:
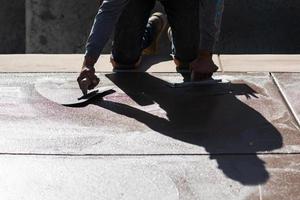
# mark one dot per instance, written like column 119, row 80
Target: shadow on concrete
column 208, row 116
column 149, row 61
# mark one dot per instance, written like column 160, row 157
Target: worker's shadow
column 208, row 116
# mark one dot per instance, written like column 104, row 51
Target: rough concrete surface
column 63, row 26
column 12, row 26
column 58, row 26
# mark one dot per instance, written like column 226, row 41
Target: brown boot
column 159, row 22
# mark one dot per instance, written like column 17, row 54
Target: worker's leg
column 210, row 13
column 129, row 33
column 183, row 17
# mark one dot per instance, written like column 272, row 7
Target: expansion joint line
column 290, row 107
column 148, row 155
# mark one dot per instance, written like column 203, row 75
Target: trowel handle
column 86, row 81
column 84, row 85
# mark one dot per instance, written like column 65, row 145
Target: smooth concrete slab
column 47, row 63
column 256, row 63
column 73, row 62
column 289, row 83
column 159, row 177
column 146, row 116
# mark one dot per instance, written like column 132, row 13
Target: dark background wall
column 260, row 26
column 62, row 26
column 12, row 26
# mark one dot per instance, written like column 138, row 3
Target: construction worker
column 136, row 33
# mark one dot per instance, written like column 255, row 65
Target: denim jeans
column 133, row 23
column 210, row 13
column 210, row 18
column 130, row 37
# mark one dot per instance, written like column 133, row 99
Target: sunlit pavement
column 146, row 140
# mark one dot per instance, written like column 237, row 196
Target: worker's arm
column 104, row 24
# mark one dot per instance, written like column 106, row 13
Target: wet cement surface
column 146, row 116
column 232, row 140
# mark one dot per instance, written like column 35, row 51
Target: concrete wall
column 12, row 26
column 58, row 26
column 62, row 26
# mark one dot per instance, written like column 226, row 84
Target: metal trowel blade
column 195, row 83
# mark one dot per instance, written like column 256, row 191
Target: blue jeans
column 130, row 37
column 210, row 13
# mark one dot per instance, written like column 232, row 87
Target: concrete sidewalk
column 146, row 140
column 72, row 63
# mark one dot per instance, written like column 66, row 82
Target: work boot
column 87, row 79
column 203, row 66
column 156, row 25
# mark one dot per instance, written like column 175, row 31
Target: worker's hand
column 87, row 79
column 203, row 67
